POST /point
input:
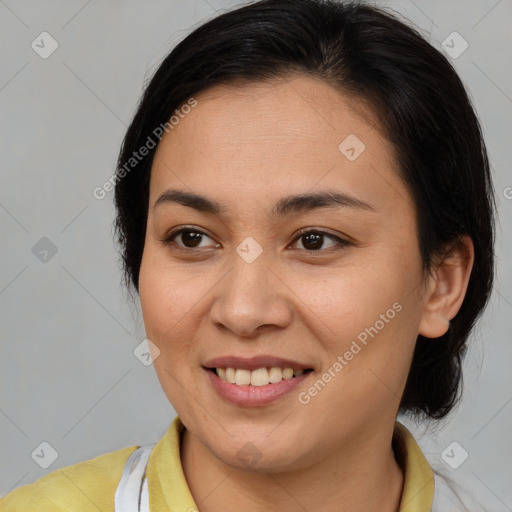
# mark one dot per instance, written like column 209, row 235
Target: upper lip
column 253, row 363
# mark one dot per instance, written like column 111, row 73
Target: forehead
column 289, row 134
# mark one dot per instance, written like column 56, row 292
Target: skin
column 246, row 147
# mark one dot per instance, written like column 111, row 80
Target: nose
column 251, row 299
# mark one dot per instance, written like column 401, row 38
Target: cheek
column 344, row 302
column 167, row 300
column 167, row 303
column 367, row 313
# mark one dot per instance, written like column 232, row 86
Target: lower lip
column 253, row 396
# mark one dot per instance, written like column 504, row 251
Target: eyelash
column 340, row 242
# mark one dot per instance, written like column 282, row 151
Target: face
column 275, row 239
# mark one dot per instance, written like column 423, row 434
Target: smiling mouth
column 259, row 377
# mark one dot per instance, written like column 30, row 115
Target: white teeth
column 275, row 375
column 259, row 377
column 287, row 373
column 243, row 377
column 230, row 375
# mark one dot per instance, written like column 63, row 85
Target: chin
column 258, row 455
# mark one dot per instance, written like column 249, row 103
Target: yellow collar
column 418, row 490
column 168, row 489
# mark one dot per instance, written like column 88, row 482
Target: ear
column 446, row 288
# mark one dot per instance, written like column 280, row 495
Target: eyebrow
column 285, row 206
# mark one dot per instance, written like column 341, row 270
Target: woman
column 305, row 209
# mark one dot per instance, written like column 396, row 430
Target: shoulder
column 86, row 486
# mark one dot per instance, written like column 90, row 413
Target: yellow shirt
column 91, row 485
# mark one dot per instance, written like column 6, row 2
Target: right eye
column 188, row 238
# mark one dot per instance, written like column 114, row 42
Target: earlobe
column 447, row 288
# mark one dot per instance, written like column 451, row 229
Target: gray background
column 68, row 375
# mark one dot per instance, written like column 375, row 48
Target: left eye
column 316, row 240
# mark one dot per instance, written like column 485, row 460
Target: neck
column 365, row 477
